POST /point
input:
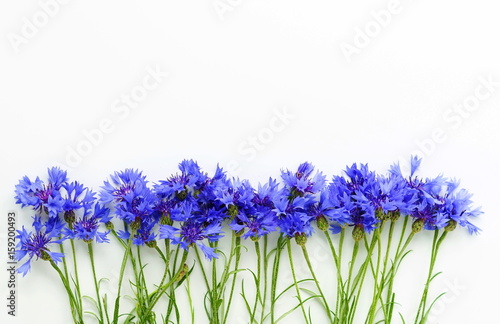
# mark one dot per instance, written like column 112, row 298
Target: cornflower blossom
column 76, row 197
column 134, row 204
column 457, row 207
column 351, row 207
column 189, row 200
column 86, row 227
column 293, row 202
column 193, row 233
column 36, row 244
column 191, row 185
column 42, row 197
column 249, row 218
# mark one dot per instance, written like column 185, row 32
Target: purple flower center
column 44, row 194
column 191, row 233
column 36, row 244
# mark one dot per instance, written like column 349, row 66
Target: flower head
column 191, row 233
column 36, row 244
column 43, row 197
column 301, row 182
column 77, row 197
column 128, row 190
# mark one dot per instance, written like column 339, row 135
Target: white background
column 232, row 66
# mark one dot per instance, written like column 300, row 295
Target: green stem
column 274, row 278
column 96, row 282
column 190, row 299
column 161, row 254
column 237, row 254
column 301, row 303
column 120, row 282
column 383, row 280
column 171, row 300
column 258, row 297
column 344, row 308
column 360, row 277
column 400, row 252
column 204, row 273
column 340, row 288
column 436, row 243
column 215, row 296
column 141, row 284
column 379, row 285
column 309, row 265
column 65, row 266
column 77, row 319
column 77, row 280
column 155, row 296
column 264, row 296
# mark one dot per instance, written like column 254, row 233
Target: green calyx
column 358, row 232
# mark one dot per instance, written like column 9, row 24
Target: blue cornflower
column 385, row 193
column 205, row 193
column 122, row 183
column 263, row 198
column 86, row 227
column 128, row 190
column 143, row 234
column 255, row 209
column 191, row 233
column 300, row 182
column 44, row 198
column 360, row 178
column 258, row 224
column 77, row 197
column 322, row 210
column 292, row 216
column 295, row 224
column 423, row 199
column 293, row 203
column 457, row 207
column 191, row 194
column 236, row 197
column 36, row 244
column 187, row 182
column 352, row 200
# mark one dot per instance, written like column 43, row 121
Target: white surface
column 229, row 75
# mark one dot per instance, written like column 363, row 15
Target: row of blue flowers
column 192, row 208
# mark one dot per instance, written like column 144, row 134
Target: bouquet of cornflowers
column 179, row 224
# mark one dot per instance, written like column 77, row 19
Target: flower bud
column 358, row 232
column 417, row 225
column 165, row 219
column 294, row 193
column 110, row 226
column 452, row 224
column 255, row 238
column 300, row 239
column 322, row 223
column 239, row 233
column 152, row 244
column 181, row 195
column 182, row 273
column 45, row 256
column 135, row 226
column 394, row 215
column 380, row 214
column 69, row 217
column 232, row 210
